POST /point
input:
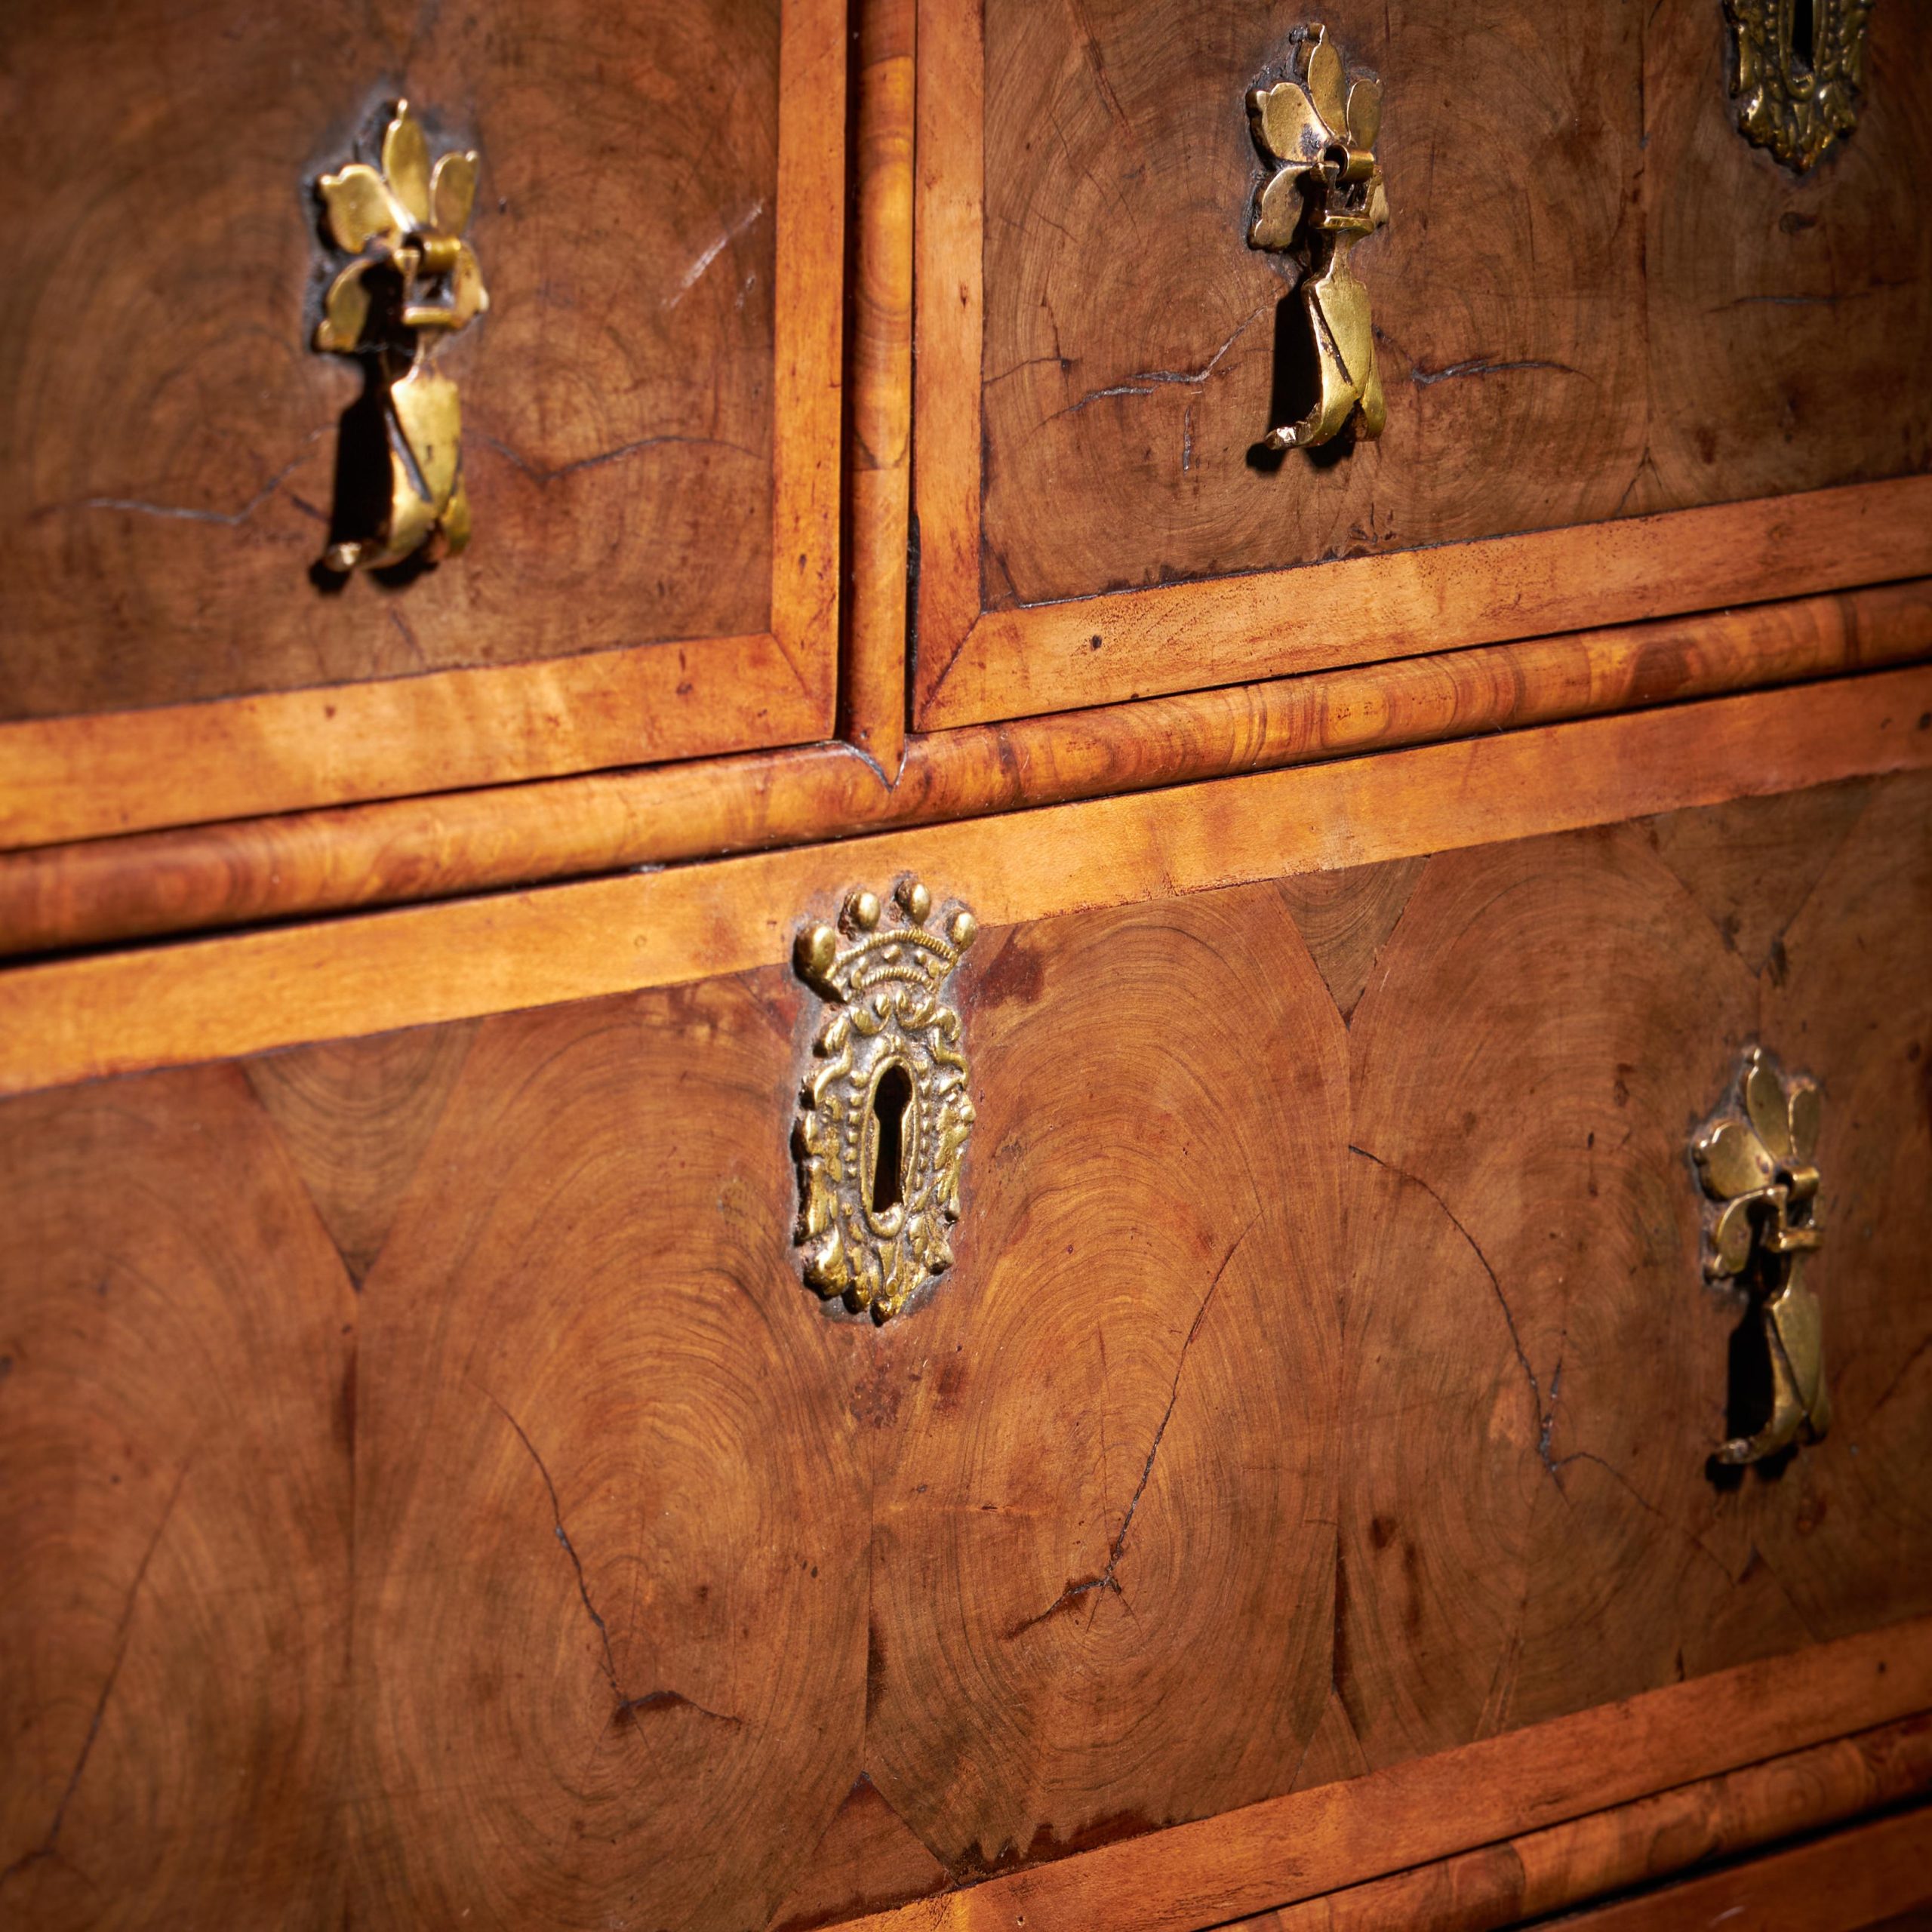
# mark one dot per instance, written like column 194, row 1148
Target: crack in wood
column 1107, row 1579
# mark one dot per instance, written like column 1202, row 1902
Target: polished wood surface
column 76, row 1018
column 878, row 385
column 1270, row 1466
column 1875, row 1878
column 1677, row 320
column 1373, row 610
column 435, row 1497
column 470, row 1590
column 1647, row 344
column 179, row 1351
column 1649, row 1839
column 807, row 369
column 617, row 397
column 1129, row 386
column 212, row 876
column 168, row 478
column 93, row 776
column 1520, row 1521
column 1788, row 320
column 948, row 224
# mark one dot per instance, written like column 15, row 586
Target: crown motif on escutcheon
column 902, row 951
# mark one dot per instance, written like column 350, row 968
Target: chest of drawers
column 953, row 1151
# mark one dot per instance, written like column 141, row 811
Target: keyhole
column 1802, row 32
column 890, row 1098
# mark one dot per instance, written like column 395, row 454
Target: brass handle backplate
column 1319, row 130
column 413, row 282
column 1756, row 1161
column 1800, row 65
column 885, row 1114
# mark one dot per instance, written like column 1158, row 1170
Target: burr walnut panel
column 1309, row 1395
column 178, row 1431
column 170, row 436
column 640, row 1609
column 1593, row 299
column 1100, row 1560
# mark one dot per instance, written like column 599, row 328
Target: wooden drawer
column 650, row 404
column 1608, row 328
column 424, row 1448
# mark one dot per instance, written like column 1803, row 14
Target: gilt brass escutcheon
column 1755, row 1159
column 414, row 281
column 1319, row 130
column 885, row 1114
column 1800, row 66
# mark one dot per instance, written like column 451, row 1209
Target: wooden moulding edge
column 1123, row 644
column 1286, row 1850
column 82, row 1018
column 1859, row 1879
column 878, row 384
column 206, row 877
column 1650, row 1842
column 97, row 774
column 808, row 355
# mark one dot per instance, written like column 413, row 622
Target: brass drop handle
column 1324, row 196
column 1757, row 1164
column 414, row 281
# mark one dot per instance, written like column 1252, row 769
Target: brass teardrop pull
column 414, row 281
column 1756, row 1159
column 1319, row 130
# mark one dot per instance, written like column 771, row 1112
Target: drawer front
column 1594, row 302
column 426, row 1446
column 648, row 404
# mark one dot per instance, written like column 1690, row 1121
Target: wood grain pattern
column 1680, row 323
column 597, row 544
column 808, row 350
column 1122, row 1399
column 1847, row 1883
column 949, row 289
column 612, row 1666
column 177, row 1338
column 1290, row 1848
column 1752, row 873
column 93, row 776
column 1127, row 386
column 1863, row 1018
column 78, row 1019
column 1271, row 1461
column 878, row 385
column 354, row 1117
column 1527, row 1162
column 1788, row 318
column 431, row 848
column 1344, row 917
column 868, row 1857
column 1370, row 610
column 1631, row 1845
column 171, row 445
